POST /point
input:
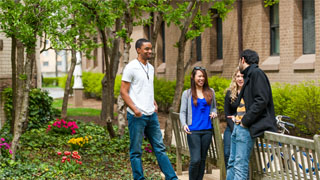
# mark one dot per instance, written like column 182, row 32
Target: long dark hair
column 207, row 92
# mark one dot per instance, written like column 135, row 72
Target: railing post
column 219, row 143
column 178, row 142
column 316, row 139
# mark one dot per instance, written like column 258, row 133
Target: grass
column 57, row 103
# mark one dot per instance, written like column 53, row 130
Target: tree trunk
column 19, row 83
column 121, row 106
column 180, row 68
column 109, row 78
column 24, row 102
column 14, row 82
column 154, row 36
column 68, row 85
column 178, row 91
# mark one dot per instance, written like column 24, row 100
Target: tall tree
column 107, row 18
column 25, row 21
column 191, row 22
column 74, row 33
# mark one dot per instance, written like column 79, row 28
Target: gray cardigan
column 186, row 107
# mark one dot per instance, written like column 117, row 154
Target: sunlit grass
column 57, row 103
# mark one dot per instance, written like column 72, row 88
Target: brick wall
column 5, row 71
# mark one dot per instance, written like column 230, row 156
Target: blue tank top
column 200, row 115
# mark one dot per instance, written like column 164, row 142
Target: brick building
column 286, row 36
column 6, row 73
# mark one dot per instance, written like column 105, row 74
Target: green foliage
column 300, row 102
column 270, row 2
column 219, row 84
column 50, row 81
column 39, row 110
column 102, row 158
column 92, row 84
column 163, row 93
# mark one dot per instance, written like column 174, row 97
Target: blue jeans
column 199, row 143
column 241, row 146
column 227, row 145
column 151, row 127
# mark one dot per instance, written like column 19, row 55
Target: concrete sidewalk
column 214, row 176
column 185, row 176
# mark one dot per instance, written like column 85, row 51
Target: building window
column 198, row 46
column 46, row 63
column 308, row 27
column 219, row 39
column 163, row 34
column 274, row 30
column 59, row 63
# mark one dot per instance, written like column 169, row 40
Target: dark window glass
column 198, row 44
column 46, row 63
column 219, row 39
column 274, row 29
column 163, row 33
column 308, row 27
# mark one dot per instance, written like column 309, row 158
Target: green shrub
column 300, row 102
column 50, row 81
column 40, row 107
column 163, row 93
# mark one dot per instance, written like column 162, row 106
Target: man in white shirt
column 137, row 92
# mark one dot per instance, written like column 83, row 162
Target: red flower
column 64, row 157
column 63, row 161
column 75, row 152
column 80, row 162
column 59, row 153
column 68, row 159
column 67, row 153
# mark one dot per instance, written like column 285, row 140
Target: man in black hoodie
column 255, row 115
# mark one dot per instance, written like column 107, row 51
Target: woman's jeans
column 150, row 126
column 227, row 144
column 199, row 143
column 241, row 147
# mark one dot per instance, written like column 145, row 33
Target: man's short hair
column 250, row 56
column 140, row 42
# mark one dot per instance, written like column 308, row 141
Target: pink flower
column 10, row 151
column 2, row 139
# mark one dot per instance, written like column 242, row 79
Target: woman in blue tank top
column 198, row 107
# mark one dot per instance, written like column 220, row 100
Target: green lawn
column 57, row 103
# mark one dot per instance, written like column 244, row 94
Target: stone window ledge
column 161, row 69
column 216, row 66
column 305, row 62
column 271, row 64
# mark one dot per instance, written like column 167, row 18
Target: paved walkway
column 215, row 172
column 55, row 92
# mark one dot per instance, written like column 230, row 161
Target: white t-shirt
column 141, row 88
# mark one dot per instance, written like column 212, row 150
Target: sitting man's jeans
column 150, row 126
column 199, row 143
column 227, row 144
column 241, row 147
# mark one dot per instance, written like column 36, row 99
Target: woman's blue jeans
column 227, row 144
column 241, row 147
column 150, row 126
column 199, row 143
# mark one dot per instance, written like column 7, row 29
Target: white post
column 78, row 86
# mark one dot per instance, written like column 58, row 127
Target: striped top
column 241, row 111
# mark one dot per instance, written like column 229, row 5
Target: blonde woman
column 230, row 109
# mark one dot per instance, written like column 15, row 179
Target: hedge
column 50, row 81
column 301, row 102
